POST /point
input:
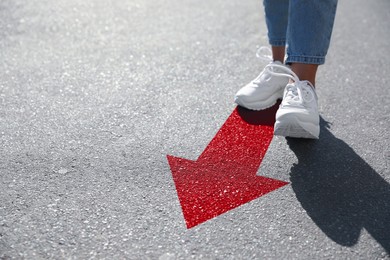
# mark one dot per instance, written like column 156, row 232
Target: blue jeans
column 304, row 26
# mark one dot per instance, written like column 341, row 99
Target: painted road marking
column 224, row 176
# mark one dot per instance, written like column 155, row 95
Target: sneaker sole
column 296, row 129
column 257, row 105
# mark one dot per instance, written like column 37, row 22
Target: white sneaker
column 297, row 115
column 265, row 89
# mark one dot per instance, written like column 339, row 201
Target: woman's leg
column 309, row 30
column 276, row 16
column 264, row 91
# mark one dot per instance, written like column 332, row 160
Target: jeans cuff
column 319, row 60
column 277, row 42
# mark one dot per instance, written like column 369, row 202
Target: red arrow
column 224, row 176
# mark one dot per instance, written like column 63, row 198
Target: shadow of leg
column 340, row 192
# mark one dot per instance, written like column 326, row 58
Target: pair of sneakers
column 297, row 115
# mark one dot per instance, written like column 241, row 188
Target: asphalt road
column 94, row 95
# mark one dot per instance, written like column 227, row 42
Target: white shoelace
column 264, row 53
column 295, row 93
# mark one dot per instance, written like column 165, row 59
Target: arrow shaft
column 238, row 142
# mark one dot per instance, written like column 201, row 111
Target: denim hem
column 319, row 60
column 277, row 42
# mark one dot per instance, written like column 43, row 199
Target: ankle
column 305, row 71
column 278, row 53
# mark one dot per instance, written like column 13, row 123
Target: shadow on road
column 340, row 192
column 261, row 117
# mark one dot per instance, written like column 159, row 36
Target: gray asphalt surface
column 95, row 94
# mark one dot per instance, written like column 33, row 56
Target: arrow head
column 206, row 190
